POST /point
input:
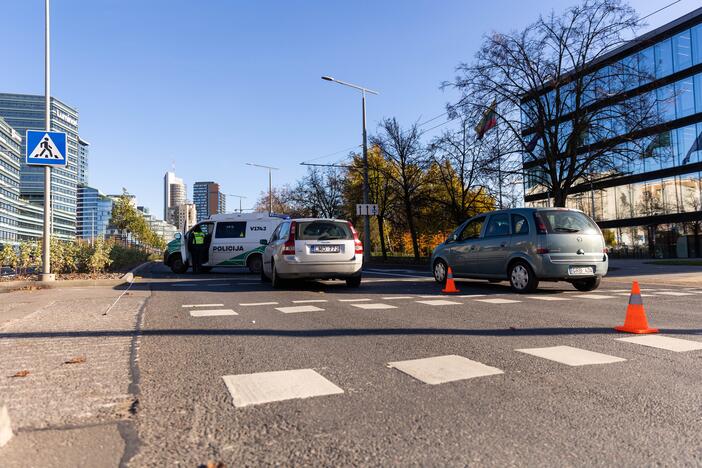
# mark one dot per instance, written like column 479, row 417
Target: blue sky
column 211, row 85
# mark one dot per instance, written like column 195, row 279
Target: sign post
column 366, row 209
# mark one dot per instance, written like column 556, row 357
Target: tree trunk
column 413, row 232
column 559, row 197
column 381, row 231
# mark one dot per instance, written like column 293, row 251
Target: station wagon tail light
column 358, row 245
column 289, row 246
column 540, row 225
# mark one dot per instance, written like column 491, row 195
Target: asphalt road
column 642, row 409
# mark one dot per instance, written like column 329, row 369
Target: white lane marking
column 571, row 356
column 629, row 294
column 594, row 296
column 616, row 290
column 211, row 313
column 266, row 387
column 549, row 298
column 498, row 301
column 675, row 293
column 257, row 303
column 431, row 296
column 471, row 295
column 376, row 306
column 664, row 342
column 393, row 298
column 188, row 306
column 309, row 301
column 294, row 310
column 354, row 300
column 439, row 302
column 441, row 369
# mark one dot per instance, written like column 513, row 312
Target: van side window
column 472, row 229
column 231, row 230
column 498, row 225
column 520, row 225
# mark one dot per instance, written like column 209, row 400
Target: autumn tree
column 571, row 111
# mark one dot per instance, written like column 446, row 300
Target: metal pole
column 239, row 204
column 46, row 242
column 499, row 163
column 270, row 192
column 366, row 217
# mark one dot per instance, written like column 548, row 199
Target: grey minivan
column 525, row 246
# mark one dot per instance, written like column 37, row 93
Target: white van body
column 234, row 240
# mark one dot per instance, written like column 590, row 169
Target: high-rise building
column 208, row 200
column 82, row 168
column 184, row 216
column 10, row 144
column 649, row 204
column 174, row 193
column 26, row 112
column 94, row 213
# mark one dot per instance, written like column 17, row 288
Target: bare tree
column 568, row 119
column 406, row 169
column 319, row 193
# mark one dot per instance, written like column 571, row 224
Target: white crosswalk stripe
column 296, row 309
column 497, row 300
column 257, row 303
column 376, row 306
column 571, row 356
column 594, row 296
column 439, row 302
column 442, row 369
column 549, row 298
column 267, row 387
column 188, row 306
column 354, row 300
column 664, row 342
column 211, row 313
column 674, row 293
column 309, row 301
column 393, row 298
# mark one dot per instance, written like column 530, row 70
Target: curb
column 5, row 426
column 9, row 286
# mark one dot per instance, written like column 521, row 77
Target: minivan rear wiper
column 565, row 229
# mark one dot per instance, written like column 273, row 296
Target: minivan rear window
column 568, row 222
column 323, row 230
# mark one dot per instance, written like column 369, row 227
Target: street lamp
column 366, row 217
column 240, row 197
column 270, row 184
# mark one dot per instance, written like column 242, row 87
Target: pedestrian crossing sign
column 46, row 148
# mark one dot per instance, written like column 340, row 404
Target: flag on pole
column 696, row 146
column 488, row 120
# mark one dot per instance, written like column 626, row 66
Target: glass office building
column 26, row 112
column 82, row 166
column 208, row 200
column 94, row 212
column 649, row 204
column 10, row 147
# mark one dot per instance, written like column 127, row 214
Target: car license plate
column 580, row 270
column 326, row 248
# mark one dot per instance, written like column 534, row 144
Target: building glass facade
column 82, row 167
column 208, row 200
column 93, row 214
column 647, row 195
column 26, row 112
column 10, row 147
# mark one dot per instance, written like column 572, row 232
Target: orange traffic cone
column 450, row 287
column 635, row 321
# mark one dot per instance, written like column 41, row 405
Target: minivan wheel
column 255, row 264
column 587, row 284
column 522, row 277
column 177, row 265
column 440, row 269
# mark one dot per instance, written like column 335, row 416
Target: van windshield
column 323, row 230
column 568, row 222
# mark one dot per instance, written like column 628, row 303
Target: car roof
column 320, row 219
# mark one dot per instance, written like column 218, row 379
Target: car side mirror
column 264, row 241
column 453, row 238
column 177, row 236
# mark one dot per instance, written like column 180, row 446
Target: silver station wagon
column 525, row 246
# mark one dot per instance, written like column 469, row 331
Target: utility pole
column 46, row 274
column 270, row 183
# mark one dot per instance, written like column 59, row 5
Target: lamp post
column 366, row 217
column 240, row 197
column 46, row 242
column 270, row 184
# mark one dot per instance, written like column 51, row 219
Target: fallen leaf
column 22, row 373
column 212, row 464
column 76, row 360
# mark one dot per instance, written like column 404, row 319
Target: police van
column 231, row 240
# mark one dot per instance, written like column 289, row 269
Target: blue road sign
column 46, row 148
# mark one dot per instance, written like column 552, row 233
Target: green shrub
column 125, row 258
column 8, row 256
column 99, row 258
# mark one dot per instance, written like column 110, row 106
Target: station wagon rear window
column 568, row 222
column 323, row 230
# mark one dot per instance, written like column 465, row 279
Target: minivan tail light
column 358, row 245
column 289, row 246
column 540, row 225
column 542, row 251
